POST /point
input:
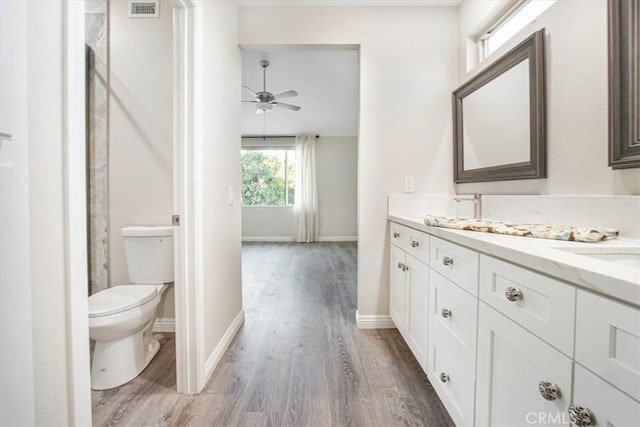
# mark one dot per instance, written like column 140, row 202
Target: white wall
column 47, row 142
column 577, row 114
column 336, row 174
column 407, row 71
column 218, row 128
column 271, row 223
column 140, row 130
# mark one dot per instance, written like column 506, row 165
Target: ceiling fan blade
column 250, row 91
column 287, row 94
column 287, row 106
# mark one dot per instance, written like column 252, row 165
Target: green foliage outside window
column 264, row 182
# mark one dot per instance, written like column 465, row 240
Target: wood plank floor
column 299, row 359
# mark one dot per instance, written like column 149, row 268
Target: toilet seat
column 121, row 298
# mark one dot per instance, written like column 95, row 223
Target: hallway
column 298, row 360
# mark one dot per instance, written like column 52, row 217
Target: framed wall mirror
column 624, row 84
column 499, row 118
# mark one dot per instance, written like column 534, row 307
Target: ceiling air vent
column 144, row 8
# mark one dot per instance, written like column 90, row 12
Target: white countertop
column 603, row 277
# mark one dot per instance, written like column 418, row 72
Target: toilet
column 121, row 317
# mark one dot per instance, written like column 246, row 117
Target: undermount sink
column 629, row 256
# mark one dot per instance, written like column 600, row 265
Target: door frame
column 75, row 216
column 187, row 202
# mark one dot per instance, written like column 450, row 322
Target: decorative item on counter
column 542, row 231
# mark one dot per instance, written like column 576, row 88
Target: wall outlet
column 409, row 184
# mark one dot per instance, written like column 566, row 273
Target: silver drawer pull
column 415, row 244
column 6, row 136
column 549, row 390
column 581, row 416
column 513, row 294
column 447, row 260
column 396, row 234
column 446, row 313
column 444, row 377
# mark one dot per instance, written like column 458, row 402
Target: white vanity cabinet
column 510, row 346
column 409, row 288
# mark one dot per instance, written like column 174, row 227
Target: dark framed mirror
column 499, row 118
column 624, row 84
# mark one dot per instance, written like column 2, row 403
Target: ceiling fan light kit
column 265, row 101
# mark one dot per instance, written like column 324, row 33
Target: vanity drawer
column 412, row 241
column 608, row 341
column 453, row 314
column 398, row 235
column 451, row 380
column 456, row 263
column 542, row 305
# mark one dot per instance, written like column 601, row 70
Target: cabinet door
column 417, row 283
column 605, row 405
column 453, row 313
column 397, row 293
column 452, row 381
column 512, row 362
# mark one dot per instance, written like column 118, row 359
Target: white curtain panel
column 305, row 208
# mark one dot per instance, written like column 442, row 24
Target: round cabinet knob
column 415, row 243
column 400, row 265
column 549, row 390
column 396, row 234
column 446, row 313
column 581, row 416
column 444, row 377
column 405, row 267
column 513, row 294
column 447, row 260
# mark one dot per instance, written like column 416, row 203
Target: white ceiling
column 394, row 3
column 327, row 85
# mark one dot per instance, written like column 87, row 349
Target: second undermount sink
column 623, row 256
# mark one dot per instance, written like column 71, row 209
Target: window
column 268, row 177
column 508, row 24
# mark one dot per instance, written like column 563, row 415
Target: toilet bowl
column 121, row 317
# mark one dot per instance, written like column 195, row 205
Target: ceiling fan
column 264, row 100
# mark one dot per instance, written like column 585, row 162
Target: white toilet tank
column 149, row 251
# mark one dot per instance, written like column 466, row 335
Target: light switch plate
column 232, row 198
column 409, row 184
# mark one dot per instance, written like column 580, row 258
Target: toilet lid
column 120, row 298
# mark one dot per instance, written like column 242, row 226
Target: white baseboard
column 217, row 353
column 165, row 324
column 338, row 239
column 374, row 321
column 268, row 239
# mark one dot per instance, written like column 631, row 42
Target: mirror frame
column 532, row 49
column 624, row 89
